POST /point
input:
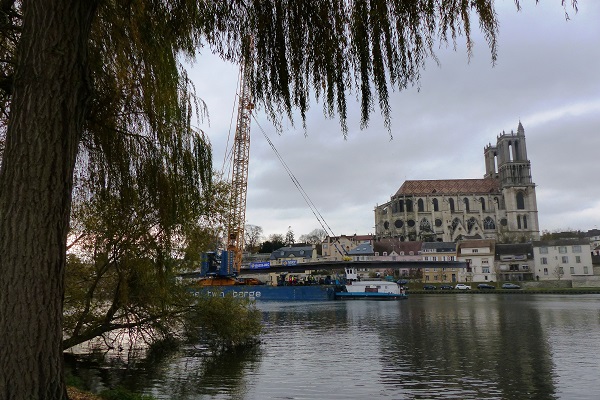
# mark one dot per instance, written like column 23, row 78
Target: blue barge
column 273, row 293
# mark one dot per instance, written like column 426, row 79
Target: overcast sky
column 547, row 76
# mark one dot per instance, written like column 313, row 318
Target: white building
column 562, row 259
column 479, row 254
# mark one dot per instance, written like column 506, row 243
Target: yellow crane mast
column 239, row 172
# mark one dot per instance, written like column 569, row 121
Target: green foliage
column 270, row 246
column 224, row 323
column 125, row 255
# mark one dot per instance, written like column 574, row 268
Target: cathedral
column 502, row 205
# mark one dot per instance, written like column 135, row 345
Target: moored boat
column 357, row 289
column 372, row 290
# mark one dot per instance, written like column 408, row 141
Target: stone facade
column 500, row 206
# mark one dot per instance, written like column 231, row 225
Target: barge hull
column 272, row 293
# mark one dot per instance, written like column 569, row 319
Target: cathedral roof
column 449, row 187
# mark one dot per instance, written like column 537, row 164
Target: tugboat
column 357, row 289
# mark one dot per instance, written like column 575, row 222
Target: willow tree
column 97, row 84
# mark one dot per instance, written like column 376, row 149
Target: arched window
column 420, row 205
column 524, row 221
column 471, row 222
column 466, row 201
column 455, row 223
column 401, row 205
column 498, row 204
column 520, row 201
column 435, row 205
column 488, row 223
column 518, row 222
column 409, row 206
column 451, row 203
column 482, row 201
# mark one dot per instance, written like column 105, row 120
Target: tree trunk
column 51, row 91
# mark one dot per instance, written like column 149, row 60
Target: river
column 451, row 346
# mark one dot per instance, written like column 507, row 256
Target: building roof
column 440, row 247
column 361, row 250
column 561, row 242
column 513, row 249
column 356, row 238
column 288, row 252
column 477, row 243
column 449, row 187
column 390, row 245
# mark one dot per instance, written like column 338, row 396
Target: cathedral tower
column 514, row 174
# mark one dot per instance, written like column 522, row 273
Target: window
column 562, row 249
column 409, row 206
column 486, row 270
column 385, row 253
column 564, row 259
column 484, row 261
column 466, row 201
column 576, row 249
column 520, row 201
column 545, row 271
column 420, row 205
column 482, row 201
column 518, row 222
column 471, row 223
column 543, row 250
column 524, row 221
column 543, row 261
column 585, row 270
column 435, row 205
column 578, row 259
column 451, row 204
column 475, row 251
column 488, row 223
column 572, row 270
column 468, row 261
column 561, row 270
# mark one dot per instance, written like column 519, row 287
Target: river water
column 451, row 346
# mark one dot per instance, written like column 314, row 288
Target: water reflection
column 468, row 347
column 429, row 347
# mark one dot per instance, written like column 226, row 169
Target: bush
column 225, row 323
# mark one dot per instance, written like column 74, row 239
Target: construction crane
column 239, row 171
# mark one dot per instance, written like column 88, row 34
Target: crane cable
column 228, row 156
column 305, row 195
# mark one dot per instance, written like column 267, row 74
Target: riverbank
column 76, row 394
column 573, row 291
